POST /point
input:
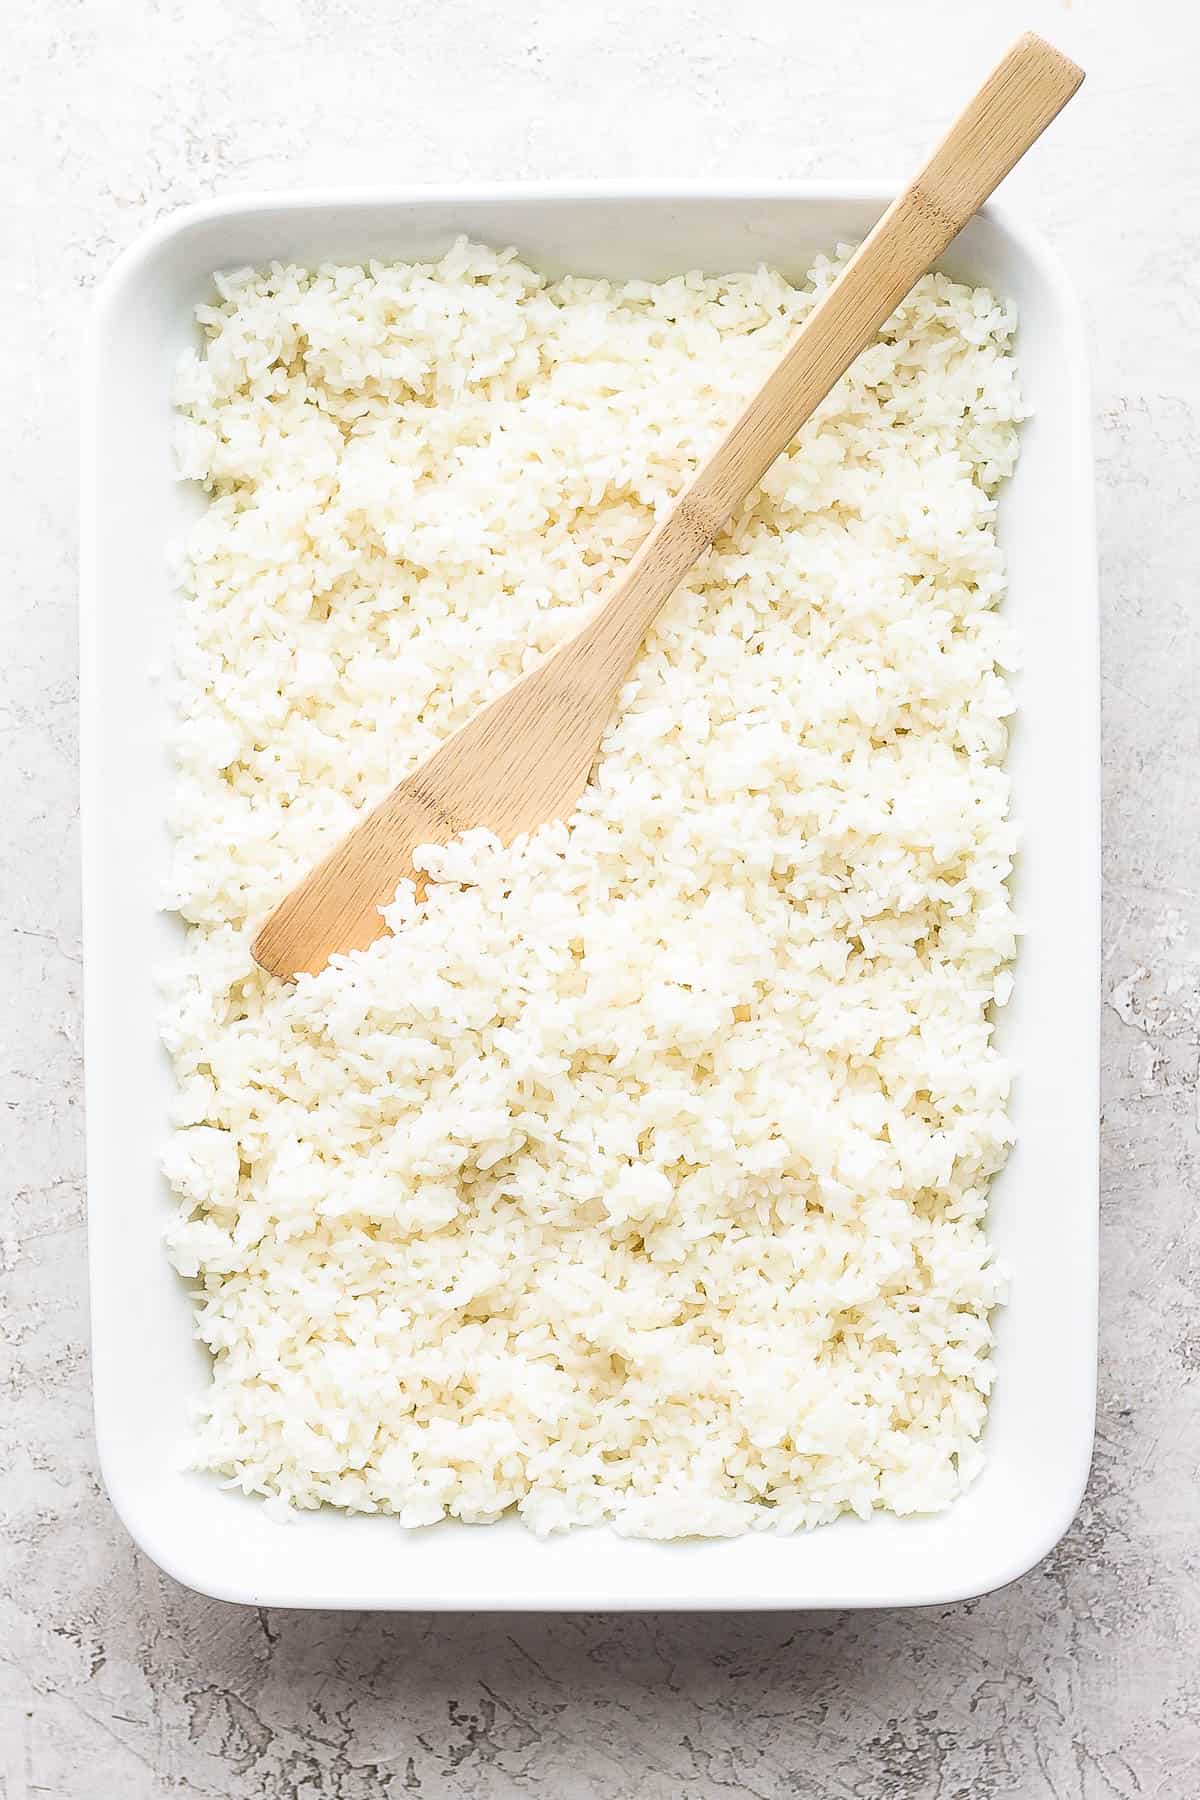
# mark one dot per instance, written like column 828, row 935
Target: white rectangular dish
column 148, row 1370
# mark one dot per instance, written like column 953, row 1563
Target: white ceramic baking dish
column 148, row 1370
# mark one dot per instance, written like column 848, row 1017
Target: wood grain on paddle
column 526, row 757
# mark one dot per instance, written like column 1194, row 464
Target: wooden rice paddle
column 526, row 758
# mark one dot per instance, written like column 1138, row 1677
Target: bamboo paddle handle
column 1026, row 90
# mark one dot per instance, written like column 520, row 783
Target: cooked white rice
column 641, row 1175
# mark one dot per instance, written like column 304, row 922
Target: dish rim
column 143, row 1525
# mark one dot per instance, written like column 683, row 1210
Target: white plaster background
column 1082, row 1681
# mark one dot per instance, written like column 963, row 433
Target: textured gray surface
column 1082, row 1681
